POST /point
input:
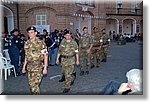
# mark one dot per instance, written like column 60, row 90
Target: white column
column 89, row 25
column 10, row 21
column 134, row 28
column 117, row 26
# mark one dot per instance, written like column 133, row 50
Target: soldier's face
column 32, row 34
column 96, row 30
column 85, row 30
column 16, row 33
column 68, row 37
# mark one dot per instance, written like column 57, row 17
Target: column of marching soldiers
column 87, row 46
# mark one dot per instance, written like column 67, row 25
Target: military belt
column 96, row 45
column 104, row 43
column 35, row 62
column 64, row 56
column 84, row 47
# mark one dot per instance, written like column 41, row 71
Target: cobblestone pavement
column 121, row 58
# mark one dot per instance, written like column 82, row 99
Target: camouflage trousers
column 84, row 56
column 67, row 70
column 95, row 51
column 104, row 51
column 34, row 76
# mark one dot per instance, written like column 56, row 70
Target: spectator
column 133, row 85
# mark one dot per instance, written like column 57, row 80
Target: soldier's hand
column 23, row 71
column 77, row 62
column 45, row 71
column 88, row 51
column 57, row 61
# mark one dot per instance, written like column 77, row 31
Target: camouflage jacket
column 97, row 40
column 85, row 41
column 105, row 39
column 33, row 50
column 68, row 49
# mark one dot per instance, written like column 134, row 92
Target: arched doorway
column 112, row 25
column 83, row 19
column 8, row 19
column 129, row 26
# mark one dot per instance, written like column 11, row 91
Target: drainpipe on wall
column 17, row 6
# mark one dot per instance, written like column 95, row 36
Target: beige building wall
column 66, row 15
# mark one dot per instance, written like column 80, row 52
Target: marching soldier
column 68, row 50
column 96, row 47
column 35, row 53
column 85, row 46
column 105, row 45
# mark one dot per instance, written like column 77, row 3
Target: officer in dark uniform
column 14, row 51
column 22, row 51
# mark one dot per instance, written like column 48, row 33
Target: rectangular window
column 133, row 5
column 118, row 5
column 40, row 19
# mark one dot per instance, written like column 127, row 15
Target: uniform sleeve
column 26, row 48
column 75, row 47
column 44, row 48
column 61, row 46
column 91, row 40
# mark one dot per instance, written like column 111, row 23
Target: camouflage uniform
column 68, row 52
column 96, row 48
column 34, row 58
column 85, row 43
column 104, row 48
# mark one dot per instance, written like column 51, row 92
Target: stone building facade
column 117, row 16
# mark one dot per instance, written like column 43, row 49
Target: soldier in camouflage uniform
column 85, row 46
column 68, row 50
column 105, row 45
column 96, row 47
column 35, row 54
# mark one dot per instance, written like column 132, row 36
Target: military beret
column 56, row 31
column 31, row 28
column 66, row 31
column 85, row 28
column 44, row 30
column 14, row 30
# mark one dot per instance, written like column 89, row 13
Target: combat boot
column 87, row 72
column 62, row 78
column 102, row 60
column 92, row 66
column 81, row 73
column 72, row 82
column 66, row 90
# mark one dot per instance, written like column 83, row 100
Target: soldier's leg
column 105, row 54
column 92, row 58
column 81, row 57
column 34, row 77
column 88, row 63
column 68, row 77
column 63, row 73
column 98, row 57
column 102, row 54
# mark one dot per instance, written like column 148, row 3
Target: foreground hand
column 123, row 87
column 77, row 62
column 23, row 70
column 88, row 51
column 45, row 71
column 57, row 61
